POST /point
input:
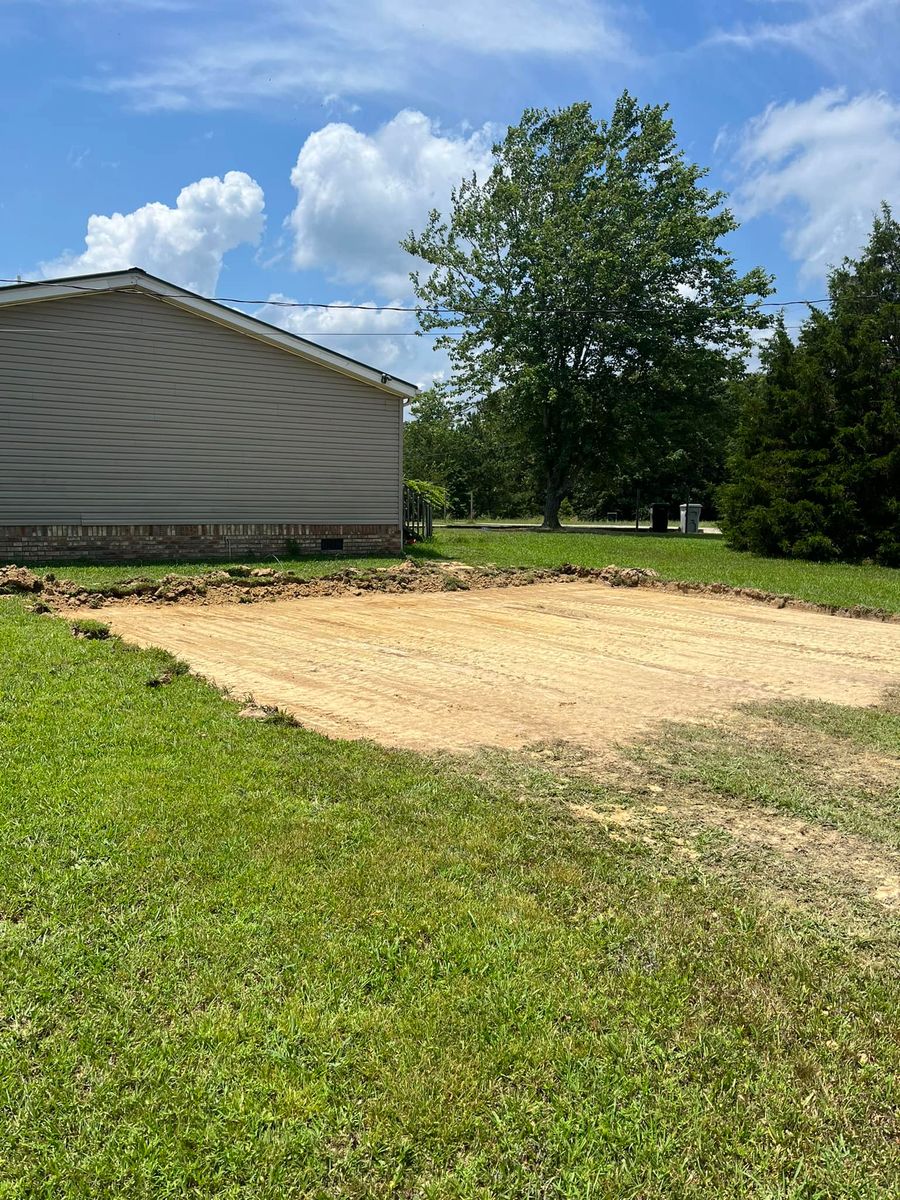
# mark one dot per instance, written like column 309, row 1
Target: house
column 141, row 421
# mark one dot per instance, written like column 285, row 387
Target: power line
column 432, row 310
column 319, row 333
column 422, row 309
column 425, row 308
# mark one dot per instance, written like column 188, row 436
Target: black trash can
column 659, row 518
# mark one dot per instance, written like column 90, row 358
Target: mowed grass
column 699, row 559
column 704, row 560
column 241, row 960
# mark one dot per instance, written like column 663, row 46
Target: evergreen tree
column 862, row 358
column 774, row 505
column 815, row 470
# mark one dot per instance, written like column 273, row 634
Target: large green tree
column 585, row 282
column 815, row 470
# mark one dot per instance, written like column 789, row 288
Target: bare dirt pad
column 508, row 667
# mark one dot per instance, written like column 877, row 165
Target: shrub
column 815, row 546
column 434, row 493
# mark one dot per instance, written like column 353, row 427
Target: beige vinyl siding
column 121, row 408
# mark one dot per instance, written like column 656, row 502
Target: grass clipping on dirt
column 242, row 960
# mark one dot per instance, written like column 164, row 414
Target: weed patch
column 84, row 627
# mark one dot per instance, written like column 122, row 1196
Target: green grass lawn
column 704, row 560
column 241, row 960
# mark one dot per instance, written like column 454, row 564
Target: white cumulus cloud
column 383, row 337
column 824, row 165
column 184, row 244
column 359, row 194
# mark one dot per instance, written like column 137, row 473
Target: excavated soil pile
column 248, row 585
column 19, row 579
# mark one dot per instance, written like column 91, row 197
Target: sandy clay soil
column 508, row 667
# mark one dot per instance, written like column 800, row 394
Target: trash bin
column 690, row 518
column 659, row 518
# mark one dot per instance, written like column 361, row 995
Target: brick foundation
column 183, row 543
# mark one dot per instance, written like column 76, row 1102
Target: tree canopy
column 584, row 293
column 815, row 470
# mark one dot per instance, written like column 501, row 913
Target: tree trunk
column 553, row 498
column 556, row 461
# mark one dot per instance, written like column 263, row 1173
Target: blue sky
column 279, row 148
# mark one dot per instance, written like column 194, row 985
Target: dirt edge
column 247, row 585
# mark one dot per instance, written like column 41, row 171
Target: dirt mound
column 613, row 575
column 243, row 584
column 641, row 577
column 18, row 579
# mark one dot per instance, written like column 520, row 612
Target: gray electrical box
column 690, row 518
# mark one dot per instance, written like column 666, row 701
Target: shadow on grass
column 426, row 552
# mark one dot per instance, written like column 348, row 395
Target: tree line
column 597, row 331
column 484, row 464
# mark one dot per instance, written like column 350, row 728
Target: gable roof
column 136, row 280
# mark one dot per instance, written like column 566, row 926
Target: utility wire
column 437, row 308
column 319, row 333
column 419, row 308
column 423, row 309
